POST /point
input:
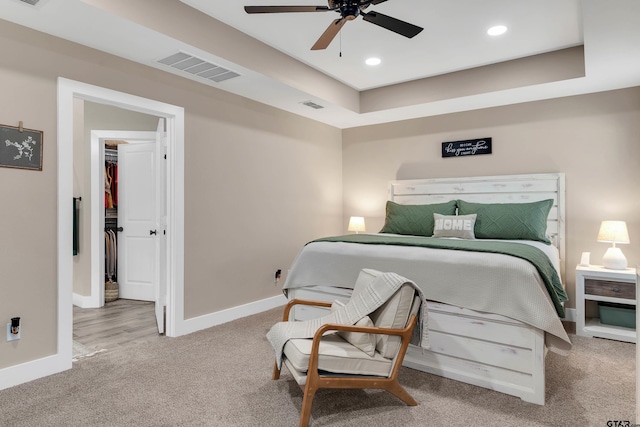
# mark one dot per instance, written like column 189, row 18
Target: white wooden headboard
column 492, row 189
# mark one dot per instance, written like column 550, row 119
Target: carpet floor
column 221, row 376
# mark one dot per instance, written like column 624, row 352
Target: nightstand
column 596, row 283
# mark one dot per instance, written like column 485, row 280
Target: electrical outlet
column 10, row 336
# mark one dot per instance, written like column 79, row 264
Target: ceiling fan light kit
column 348, row 10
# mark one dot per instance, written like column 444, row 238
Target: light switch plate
column 10, row 336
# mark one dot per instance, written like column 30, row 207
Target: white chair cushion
column 392, row 314
column 362, row 340
column 336, row 355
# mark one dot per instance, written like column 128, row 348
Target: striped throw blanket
column 376, row 293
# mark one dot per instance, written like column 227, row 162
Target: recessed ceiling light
column 373, row 61
column 497, row 30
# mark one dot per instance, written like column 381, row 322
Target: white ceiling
column 454, row 38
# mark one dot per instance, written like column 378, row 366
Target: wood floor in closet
column 119, row 324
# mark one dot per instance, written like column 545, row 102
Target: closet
column 111, row 221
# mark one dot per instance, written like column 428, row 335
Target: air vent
column 31, row 2
column 198, row 67
column 312, row 105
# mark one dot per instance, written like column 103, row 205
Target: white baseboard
column 83, row 301
column 29, row 371
column 224, row 316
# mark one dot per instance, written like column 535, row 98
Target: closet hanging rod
column 113, row 228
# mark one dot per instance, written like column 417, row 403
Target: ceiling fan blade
column 397, row 26
column 332, row 30
column 284, row 9
column 365, row 3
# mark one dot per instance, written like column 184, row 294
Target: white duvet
column 486, row 282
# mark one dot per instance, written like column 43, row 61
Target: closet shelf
column 111, row 213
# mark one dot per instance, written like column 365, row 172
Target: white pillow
column 362, row 340
column 460, row 226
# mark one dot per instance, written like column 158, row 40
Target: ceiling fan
column 348, row 10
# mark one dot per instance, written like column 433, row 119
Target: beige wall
column 259, row 184
column 28, row 213
column 593, row 139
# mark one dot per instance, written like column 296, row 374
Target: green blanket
column 520, row 250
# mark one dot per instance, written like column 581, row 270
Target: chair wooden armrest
column 366, row 329
column 298, row 301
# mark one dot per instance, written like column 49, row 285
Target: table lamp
column 356, row 223
column 614, row 232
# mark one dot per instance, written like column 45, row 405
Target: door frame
column 174, row 115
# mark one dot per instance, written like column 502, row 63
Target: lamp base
column 613, row 259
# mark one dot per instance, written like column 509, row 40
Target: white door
column 140, row 216
column 137, row 242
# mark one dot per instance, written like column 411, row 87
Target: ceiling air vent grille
column 312, row 105
column 198, row 67
column 31, row 2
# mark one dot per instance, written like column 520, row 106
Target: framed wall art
column 20, row 148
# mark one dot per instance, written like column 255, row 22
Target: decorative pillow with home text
column 460, row 226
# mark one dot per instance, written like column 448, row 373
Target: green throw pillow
column 512, row 221
column 415, row 220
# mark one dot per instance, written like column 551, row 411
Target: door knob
column 152, row 232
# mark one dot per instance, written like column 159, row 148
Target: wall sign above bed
column 469, row 147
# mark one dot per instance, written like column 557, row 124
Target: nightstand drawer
column 607, row 288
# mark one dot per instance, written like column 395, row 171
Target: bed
column 492, row 313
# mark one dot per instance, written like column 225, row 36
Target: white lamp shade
column 356, row 223
column 613, row 232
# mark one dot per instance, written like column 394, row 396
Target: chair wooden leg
column 397, row 390
column 307, row 402
column 276, row 371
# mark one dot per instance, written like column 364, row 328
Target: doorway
column 174, row 260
